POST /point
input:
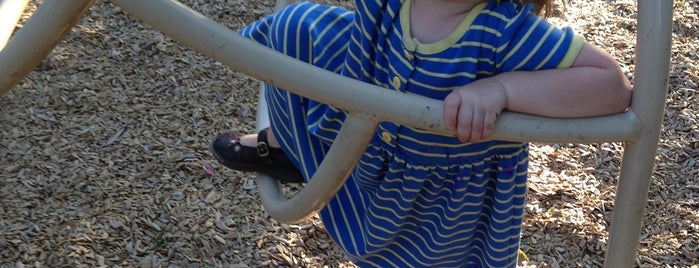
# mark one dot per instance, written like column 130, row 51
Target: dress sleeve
column 259, row 30
column 529, row 42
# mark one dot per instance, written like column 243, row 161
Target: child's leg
column 250, row 140
column 311, row 33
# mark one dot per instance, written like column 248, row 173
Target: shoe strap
column 263, row 147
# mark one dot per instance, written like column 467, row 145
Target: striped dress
column 416, row 198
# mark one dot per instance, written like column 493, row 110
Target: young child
column 418, row 198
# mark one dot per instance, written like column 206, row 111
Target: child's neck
column 433, row 20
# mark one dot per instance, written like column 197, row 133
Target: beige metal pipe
column 355, row 134
column 47, row 26
column 10, row 12
column 233, row 50
column 262, row 117
column 650, row 90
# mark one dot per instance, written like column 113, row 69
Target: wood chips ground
column 104, row 158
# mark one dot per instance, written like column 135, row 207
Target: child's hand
column 472, row 110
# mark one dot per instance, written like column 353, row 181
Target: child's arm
column 593, row 86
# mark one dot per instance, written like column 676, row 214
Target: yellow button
column 385, row 136
column 396, row 82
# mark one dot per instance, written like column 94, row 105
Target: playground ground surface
column 104, row 157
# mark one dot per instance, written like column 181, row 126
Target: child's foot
column 255, row 152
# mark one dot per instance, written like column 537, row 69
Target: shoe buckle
column 263, row 152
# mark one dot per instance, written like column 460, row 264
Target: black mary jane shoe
column 264, row 159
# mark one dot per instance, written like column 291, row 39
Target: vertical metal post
column 262, row 118
column 650, row 90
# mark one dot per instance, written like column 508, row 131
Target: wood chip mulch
column 104, row 158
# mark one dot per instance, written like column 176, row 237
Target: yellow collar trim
column 414, row 45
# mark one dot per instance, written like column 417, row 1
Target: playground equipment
column 638, row 128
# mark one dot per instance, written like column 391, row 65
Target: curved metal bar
column 10, row 12
column 349, row 145
column 47, row 26
column 650, row 90
column 233, row 50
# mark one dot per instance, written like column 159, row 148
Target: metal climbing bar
column 233, row 50
column 653, row 45
column 639, row 127
column 262, row 117
column 228, row 47
column 39, row 35
column 341, row 159
column 10, row 12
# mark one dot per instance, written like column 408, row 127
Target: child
column 418, row 198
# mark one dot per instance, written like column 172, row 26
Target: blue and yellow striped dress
column 416, row 198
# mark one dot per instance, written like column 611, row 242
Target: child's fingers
column 451, row 110
column 465, row 122
column 489, row 124
column 477, row 126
